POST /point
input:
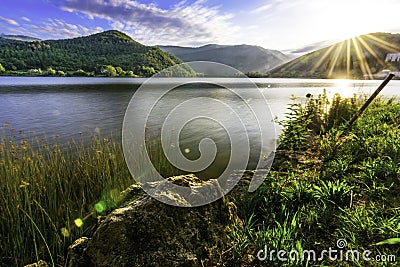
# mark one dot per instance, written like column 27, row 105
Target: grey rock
column 146, row 232
column 77, row 253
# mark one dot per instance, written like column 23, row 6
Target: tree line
column 110, row 53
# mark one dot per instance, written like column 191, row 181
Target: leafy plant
column 336, row 193
column 295, row 127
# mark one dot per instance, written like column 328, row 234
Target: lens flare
column 78, row 222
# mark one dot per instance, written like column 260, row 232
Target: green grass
column 48, row 191
column 347, row 188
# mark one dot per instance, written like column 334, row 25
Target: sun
column 343, row 87
column 350, row 18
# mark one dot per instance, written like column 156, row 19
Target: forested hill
column 359, row 57
column 110, row 53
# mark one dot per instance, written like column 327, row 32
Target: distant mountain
column 246, row 58
column 87, row 53
column 360, row 57
column 19, row 37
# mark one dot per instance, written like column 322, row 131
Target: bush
column 51, row 72
column 60, row 73
column 80, row 73
column 295, row 128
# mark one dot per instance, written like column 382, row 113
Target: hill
column 91, row 54
column 246, row 58
column 360, row 57
column 19, row 37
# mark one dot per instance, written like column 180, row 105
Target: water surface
column 76, row 107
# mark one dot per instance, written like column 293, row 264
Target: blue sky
column 286, row 25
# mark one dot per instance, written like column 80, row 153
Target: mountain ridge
column 246, row 58
column 19, row 37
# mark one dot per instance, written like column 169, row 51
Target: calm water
column 75, row 107
column 68, row 106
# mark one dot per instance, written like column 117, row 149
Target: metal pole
column 366, row 104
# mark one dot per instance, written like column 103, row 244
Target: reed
column 53, row 194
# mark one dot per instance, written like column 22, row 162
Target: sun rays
column 346, row 59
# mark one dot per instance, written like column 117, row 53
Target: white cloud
column 262, row 8
column 26, row 19
column 117, row 25
column 56, row 28
column 8, row 21
column 184, row 23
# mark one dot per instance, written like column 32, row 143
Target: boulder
column 147, row 232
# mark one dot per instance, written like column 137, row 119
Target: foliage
column 120, row 71
column 51, row 72
column 332, row 193
column 111, row 48
column 60, row 73
column 110, row 71
column 80, row 73
column 317, row 116
column 295, row 128
column 346, row 189
column 2, row 69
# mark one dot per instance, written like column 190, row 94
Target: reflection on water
column 65, row 110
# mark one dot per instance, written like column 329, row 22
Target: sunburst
column 341, row 56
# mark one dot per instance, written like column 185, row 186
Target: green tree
column 120, row 71
column 111, row 71
column 2, row 69
column 91, row 53
column 131, row 74
column 80, row 73
column 50, row 71
column 60, row 73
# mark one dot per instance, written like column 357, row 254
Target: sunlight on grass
column 340, row 55
column 52, row 194
column 311, row 203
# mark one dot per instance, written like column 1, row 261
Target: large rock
column 146, row 232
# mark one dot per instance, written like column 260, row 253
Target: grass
column 52, row 195
column 345, row 188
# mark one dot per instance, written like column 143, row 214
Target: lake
column 80, row 107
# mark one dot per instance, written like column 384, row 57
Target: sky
column 292, row 26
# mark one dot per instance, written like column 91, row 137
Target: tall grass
column 52, row 194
